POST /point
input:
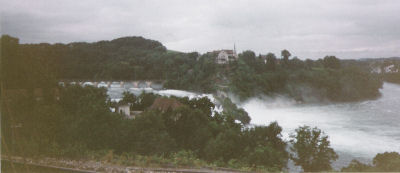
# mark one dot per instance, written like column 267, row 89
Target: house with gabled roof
column 224, row 56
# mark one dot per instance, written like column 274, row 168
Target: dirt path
column 79, row 166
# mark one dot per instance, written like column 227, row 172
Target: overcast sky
column 307, row 28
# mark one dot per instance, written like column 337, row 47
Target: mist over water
column 115, row 93
column 356, row 130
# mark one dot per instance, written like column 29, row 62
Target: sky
column 307, row 28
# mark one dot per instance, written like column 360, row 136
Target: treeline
column 382, row 162
column 78, row 121
column 128, row 58
column 392, row 77
column 387, row 68
column 136, row 58
column 308, row 81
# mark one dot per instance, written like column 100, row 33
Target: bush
column 382, row 162
column 311, row 150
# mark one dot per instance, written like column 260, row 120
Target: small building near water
column 125, row 109
column 163, row 104
column 160, row 104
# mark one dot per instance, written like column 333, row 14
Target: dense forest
column 76, row 123
column 136, row 58
column 79, row 122
column 41, row 119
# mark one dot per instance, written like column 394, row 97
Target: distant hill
column 126, row 58
column 380, row 59
column 137, row 58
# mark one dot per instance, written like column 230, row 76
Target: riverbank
column 46, row 164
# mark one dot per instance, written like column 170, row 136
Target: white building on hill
column 225, row 55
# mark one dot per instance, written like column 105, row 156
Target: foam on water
column 359, row 129
column 356, row 130
column 115, row 93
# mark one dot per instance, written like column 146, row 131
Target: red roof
column 164, row 104
column 228, row 51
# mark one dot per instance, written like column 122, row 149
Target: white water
column 115, row 93
column 356, row 130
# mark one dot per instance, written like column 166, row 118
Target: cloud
column 309, row 29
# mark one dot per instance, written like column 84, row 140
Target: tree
column 271, row 61
column 189, row 127
column 10, row 62
column 265, row 146
column 331, row 62
column 382, row 162
column 311, row 150
column 148, row 135
column 388, row 161
column 309, row 63
column 129, row 97
column 243, row 80
column 146, row 100
column 296, row 63
column 204, row 104
column 230, row 109
column 249, row 57
column 221, row 147
column 285, row 56
column 356, row 166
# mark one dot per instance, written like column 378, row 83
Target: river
column 357, row 130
